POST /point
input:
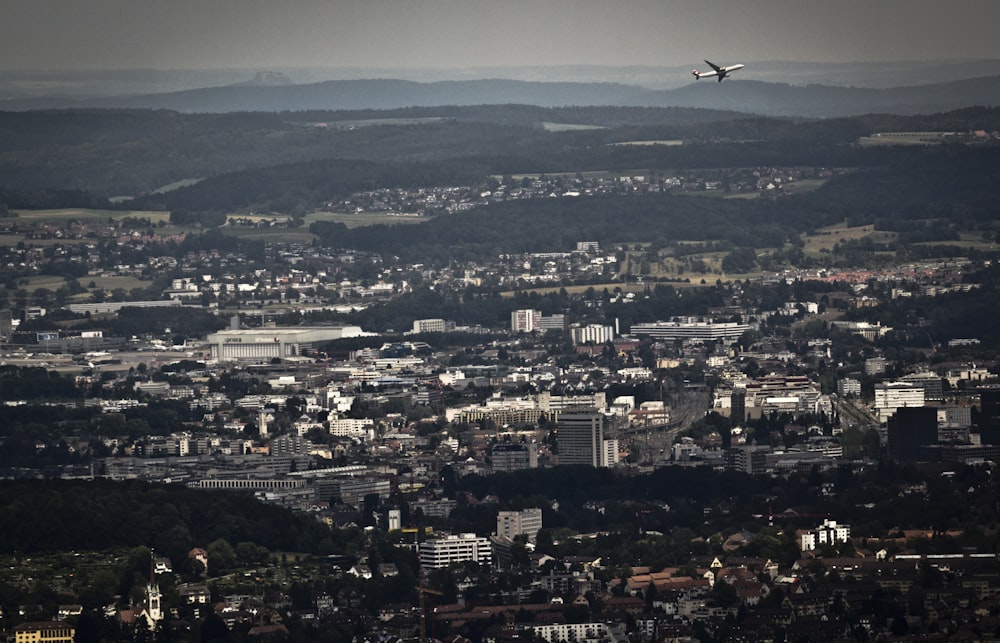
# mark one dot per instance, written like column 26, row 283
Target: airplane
column 721, row 72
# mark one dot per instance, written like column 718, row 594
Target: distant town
column 358, row 428
column 500, row 374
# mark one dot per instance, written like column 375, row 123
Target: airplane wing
column 713, row 66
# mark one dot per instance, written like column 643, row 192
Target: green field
column 568, row 127
column 905, row 138
column 362, row 219
column 80, row 214
column 826, row 238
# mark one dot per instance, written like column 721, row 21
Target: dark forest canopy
column 135, row 152
column 56, row 515
column 957, row 185
column 40, row 516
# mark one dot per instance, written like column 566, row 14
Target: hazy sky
column 262, row 34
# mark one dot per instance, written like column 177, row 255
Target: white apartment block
column 452, row 549
column 526, row 522
column 848, row 386
column 526, row 320
column 432, row 326
column 829, row 533
column 890, row 396
column 352, row 427
column 579, row 632
column 609, row 453
column 592, row 334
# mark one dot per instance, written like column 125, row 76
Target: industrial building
column 262, row 345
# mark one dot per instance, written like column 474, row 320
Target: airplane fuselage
column 717, row 71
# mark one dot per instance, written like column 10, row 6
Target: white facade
column 352, row 427
column 890, row 396
column 261, row 345
column 432, row 326
column 526, row 522
column 828, row 533
column 526, row 320
column 609, row 453
column 592, row 333
column 693, row 331
column 455, row 549
column 573, row 632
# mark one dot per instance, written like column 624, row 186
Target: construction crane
column 421, row 591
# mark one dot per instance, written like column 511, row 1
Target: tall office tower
column 580, row 437
column 989, row 416
column 738, row 404
column 6, row 323
column 909, row 429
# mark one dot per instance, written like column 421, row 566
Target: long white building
column 261, row 345
column 890, row 396
column 691, row 331
column 452, row 549
column 592, row 333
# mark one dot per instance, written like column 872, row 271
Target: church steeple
column 154, row 611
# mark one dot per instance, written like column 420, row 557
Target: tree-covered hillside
column 58, row 515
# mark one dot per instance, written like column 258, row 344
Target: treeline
column 134, row 152
column 56, row 515
column 47, row 199
column 707, row 502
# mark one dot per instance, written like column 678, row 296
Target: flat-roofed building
column 432, row 326
column 456, row 548
column 592, row 334
column 691, row 331
column 512, row 456
column 525, row 320
column 526, row 522
column 580, row 437
column 890, row 396
column 261, row 345
column 44, row 632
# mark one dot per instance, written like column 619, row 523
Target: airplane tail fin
column 696, row 74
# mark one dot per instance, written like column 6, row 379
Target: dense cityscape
column 497, row 355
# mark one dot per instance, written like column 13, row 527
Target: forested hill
column 295, row 162
column 125, row 152
column 957, row 186
column 58, row 515
column 765, row 98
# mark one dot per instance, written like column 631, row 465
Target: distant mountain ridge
column 271, row 93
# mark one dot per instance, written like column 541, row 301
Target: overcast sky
column 261, row 34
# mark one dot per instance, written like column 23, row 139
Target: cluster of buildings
column 438, row 200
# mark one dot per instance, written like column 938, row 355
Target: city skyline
column 125, row 34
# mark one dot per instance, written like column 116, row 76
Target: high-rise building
column 513, row 456
column 989, row 416
column 592, row 334
column 909, row 430
column 526, row 522
column 6, row 323
column 738, row 407
column 890, row 396
column 525, row 320
column 580, row 437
